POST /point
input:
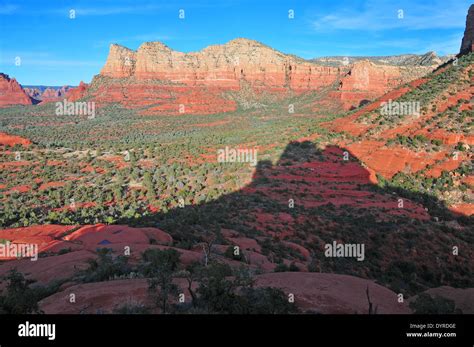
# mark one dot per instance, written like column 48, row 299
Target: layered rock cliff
column 11, row 93
column 219, row 65
column 158, row 79
column 77, row 93
column 367, row 81
column 167, row 81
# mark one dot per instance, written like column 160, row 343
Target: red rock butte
column 11, row 93
column 159, row 80
column 219, row 65
column 164, row 80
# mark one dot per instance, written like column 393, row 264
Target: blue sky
column 56, row 50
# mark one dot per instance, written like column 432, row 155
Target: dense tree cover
column 161, row 166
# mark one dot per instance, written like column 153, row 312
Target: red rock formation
column 51, row 94
column 467, row 44
column 35, row 93
column 389, row 161
column 167, row 81
column 347, row 294
column 367, row 81
column 120, row 62
column 166, row 99
column 11, row 93
column 219, row 65
column 171, row 82
column 77, row 93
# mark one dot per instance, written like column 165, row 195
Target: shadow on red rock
column 282, row 220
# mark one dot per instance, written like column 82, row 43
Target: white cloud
column 384, row 15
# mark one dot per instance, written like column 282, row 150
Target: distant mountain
column 42, row 88
column 46, row 93
column 427, row 59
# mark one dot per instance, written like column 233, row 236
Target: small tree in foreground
column 160, row 266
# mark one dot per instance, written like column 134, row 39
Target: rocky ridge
column 157, row 77
column 11, row 92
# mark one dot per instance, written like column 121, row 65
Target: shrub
column 426, row 304
column 105, row 267
column 131, row 308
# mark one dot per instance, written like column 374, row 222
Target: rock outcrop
column 77, row 93
column 159, row 80
column 120, row 62
column 367, row 81
column 34, row 93
column 11, row 92
column 162, row 80
column 467, row 44
column 53, row 94
column 219, row 65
